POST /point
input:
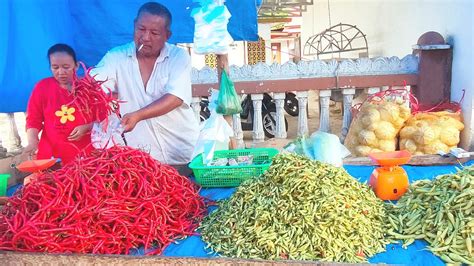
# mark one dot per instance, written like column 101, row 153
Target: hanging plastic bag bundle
column 228, row 102
column 210, row 30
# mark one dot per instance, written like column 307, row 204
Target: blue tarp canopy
column 29, row 27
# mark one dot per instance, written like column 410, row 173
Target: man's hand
column 79, row 132
column 163, row 105
column 129, row 121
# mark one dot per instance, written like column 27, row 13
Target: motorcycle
column 291, row 104
column 246, row 116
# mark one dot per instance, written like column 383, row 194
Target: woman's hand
column 79, row 132
column 30, row 150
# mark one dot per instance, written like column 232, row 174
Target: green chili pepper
column 443, row 209
column 300, row 209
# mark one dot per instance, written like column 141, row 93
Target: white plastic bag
column 210, row 30
column 214, row 135
column 320, row 146
column 107, row 133
column 328, row 149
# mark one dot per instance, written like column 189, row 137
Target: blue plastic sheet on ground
column 92, row 27
column 415, row 254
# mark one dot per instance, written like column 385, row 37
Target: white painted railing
column 372, row 75
column 326, row 77
column 302, row 97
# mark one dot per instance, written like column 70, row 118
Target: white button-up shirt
column 169, row 138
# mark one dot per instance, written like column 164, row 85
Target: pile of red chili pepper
column 108, row 202
column 90, row 97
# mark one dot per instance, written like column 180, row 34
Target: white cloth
column 169, row 138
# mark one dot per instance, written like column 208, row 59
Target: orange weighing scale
column 389, row 181
column 36, row 166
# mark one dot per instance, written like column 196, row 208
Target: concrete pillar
column 434, row 70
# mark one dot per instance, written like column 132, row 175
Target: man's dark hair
column 64, row 48
column 157, row 10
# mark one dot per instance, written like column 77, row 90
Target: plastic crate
column 4, row 184
column 232, row 176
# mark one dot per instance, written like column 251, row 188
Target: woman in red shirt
column 64, row 130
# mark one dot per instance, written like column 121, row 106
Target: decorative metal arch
column 338, row 39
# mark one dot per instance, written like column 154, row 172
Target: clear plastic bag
column 214, row 135
column 228, row 102
column 107, row 133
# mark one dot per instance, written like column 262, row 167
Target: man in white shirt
column 153, row 78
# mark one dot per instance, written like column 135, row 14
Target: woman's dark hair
column 64, row 48
column 157, row 10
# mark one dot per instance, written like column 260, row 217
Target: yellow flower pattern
column 66, row 114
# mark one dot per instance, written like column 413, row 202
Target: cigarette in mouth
column 141, row 46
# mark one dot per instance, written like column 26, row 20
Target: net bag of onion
column 377, row 122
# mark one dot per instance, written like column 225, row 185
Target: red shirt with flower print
column 50, row 111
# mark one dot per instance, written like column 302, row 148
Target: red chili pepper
column 90, row 98
column 108, row 201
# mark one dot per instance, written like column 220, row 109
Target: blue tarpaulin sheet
column 29, row 27
column 415, row 254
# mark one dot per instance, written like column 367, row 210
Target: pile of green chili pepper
column 441, row 212
column 299, row 209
